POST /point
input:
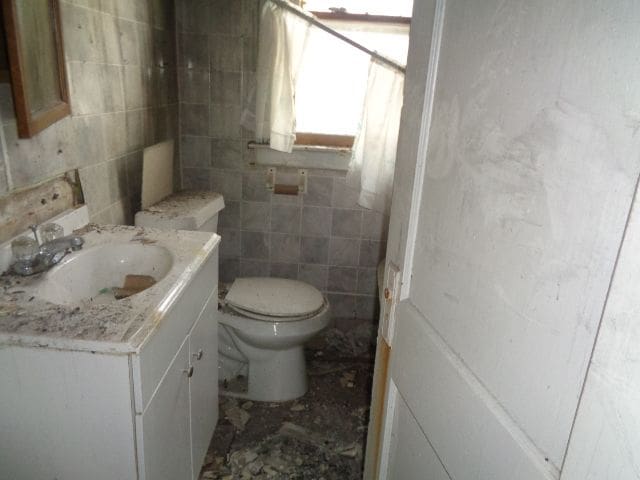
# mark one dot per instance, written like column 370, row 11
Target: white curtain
column 282, row 40
column 374, row 154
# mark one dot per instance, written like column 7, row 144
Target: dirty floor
column 318, row 436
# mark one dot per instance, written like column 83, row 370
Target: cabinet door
column 204, row 382
column 165, row 425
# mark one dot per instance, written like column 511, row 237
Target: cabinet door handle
column 189, row 371
column 198, row 355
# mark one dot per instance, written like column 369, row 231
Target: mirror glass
column 37, row 38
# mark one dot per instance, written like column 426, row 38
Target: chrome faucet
column 46, row 255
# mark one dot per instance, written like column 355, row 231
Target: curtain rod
column 312, row 20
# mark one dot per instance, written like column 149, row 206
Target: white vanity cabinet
column 175, row 427
column 147, row 414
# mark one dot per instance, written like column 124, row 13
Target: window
column 333, row 75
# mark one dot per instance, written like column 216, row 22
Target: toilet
column 264, row 325
column 264, row 322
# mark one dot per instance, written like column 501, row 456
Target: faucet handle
column 24, row 249
column 50, row 232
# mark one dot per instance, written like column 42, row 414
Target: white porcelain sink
column 91, row 274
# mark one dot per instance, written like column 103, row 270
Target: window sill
column 306, row 148
column 304, row 156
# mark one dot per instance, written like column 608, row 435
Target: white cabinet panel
column 65, row 415
column 203, row 347
column 166, row 443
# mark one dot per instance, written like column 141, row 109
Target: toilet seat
column 274, row 299
column 269, row 318
column 274, row 326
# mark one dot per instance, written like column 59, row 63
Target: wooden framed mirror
column 36, row 63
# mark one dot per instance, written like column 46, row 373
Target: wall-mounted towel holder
column 300, row 187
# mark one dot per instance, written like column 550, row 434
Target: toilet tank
column 183, row 211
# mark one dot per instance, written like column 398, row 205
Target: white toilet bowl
column 261, row 335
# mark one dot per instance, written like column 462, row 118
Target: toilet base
column 277, row 376
column 269, row 353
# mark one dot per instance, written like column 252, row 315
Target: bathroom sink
column 93, row 273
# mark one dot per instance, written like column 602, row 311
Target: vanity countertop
column 118, row 327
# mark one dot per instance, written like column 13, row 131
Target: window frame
column 324, row 140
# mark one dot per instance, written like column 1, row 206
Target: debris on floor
column 347, row 378
column 353, row 450
column 238, row 417
column 318, row 436
column 355, row 342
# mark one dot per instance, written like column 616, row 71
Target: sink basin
column 90, row 274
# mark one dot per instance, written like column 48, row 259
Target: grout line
column 109, row 14
column 177, row 46
column 110, row 112
column 12, row 121
column 142, row 66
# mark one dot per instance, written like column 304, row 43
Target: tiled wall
column 121, row 65
column 322, row 237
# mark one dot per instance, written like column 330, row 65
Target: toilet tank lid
column 276, row 297
column 183, row 208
